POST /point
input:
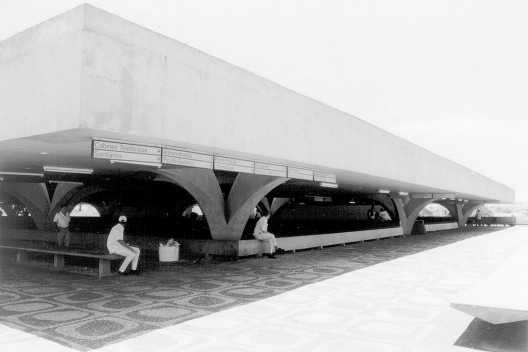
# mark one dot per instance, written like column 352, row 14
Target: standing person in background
column 261, row 233
column 62, row 221
column 478, row 216
column 116, row 244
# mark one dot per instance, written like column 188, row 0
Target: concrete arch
column 466, row 211
column 386, row 202
column 246, row 193
column 35, row 197
column 410, row 211
column 71, row 195
column 203, row 186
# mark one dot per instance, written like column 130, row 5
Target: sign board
column 421, row 195
column 321, row 176
column 185, row 158
column 126, row 148
column 234, row 165
column 271, row 169
column 444, row 195
column 303, row 174
column 125, row 152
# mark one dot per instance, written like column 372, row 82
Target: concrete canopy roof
column 89, row 74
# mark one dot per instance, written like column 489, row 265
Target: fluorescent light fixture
column 67, row 170
column 143, row 163
column 403, row 193
column 68, row 182
column 384, row 191
column 328, row 184
column 21, row 173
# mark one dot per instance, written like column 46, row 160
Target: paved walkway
column 389, row 295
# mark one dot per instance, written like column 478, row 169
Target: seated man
column 261, row 233
column 117, row 245
column 371, row 213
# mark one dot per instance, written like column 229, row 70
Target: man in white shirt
column 261, row 233
column 62, row 220
column 116, row 244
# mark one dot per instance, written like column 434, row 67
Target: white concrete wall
column 40, row 76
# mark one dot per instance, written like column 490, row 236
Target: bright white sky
column 448, row 75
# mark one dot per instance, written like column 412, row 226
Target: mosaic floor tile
column 97, row 332
column 160, row 314
column 55, row 305
column 118, row 304
column 165, row 294
column 51, row 318
column 26, row 307
column 210, row 302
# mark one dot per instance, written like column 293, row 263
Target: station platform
column 388, row 295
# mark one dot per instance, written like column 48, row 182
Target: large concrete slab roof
column 88, row 73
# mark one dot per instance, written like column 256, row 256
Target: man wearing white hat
column 117, row 245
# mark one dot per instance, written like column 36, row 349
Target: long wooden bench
column 59, row 255
column 501, row 297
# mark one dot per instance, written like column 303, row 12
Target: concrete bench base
column 59, row 257
column 242, row 248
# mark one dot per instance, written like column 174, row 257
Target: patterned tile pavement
column 387, row 295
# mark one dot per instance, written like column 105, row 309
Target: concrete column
column 265, row 205
column 410, row 211
column 35, row 198
column 247, row 191
column 60, row 196
column 277, row 203
column 203, row 186
column 466, row 211
column 454, row 208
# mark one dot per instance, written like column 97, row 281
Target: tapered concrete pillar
column 35, row 198
column 64, row 193
column 203, row 186
column 246, row 193
column 277, row 203
column 264, row 204
column 409, row 212
column 466, row 211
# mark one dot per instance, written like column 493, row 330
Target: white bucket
column 169, row 254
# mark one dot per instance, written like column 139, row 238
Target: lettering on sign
column 187, row 162
column 104, row 154
column 183, row 154
column 128, row 148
